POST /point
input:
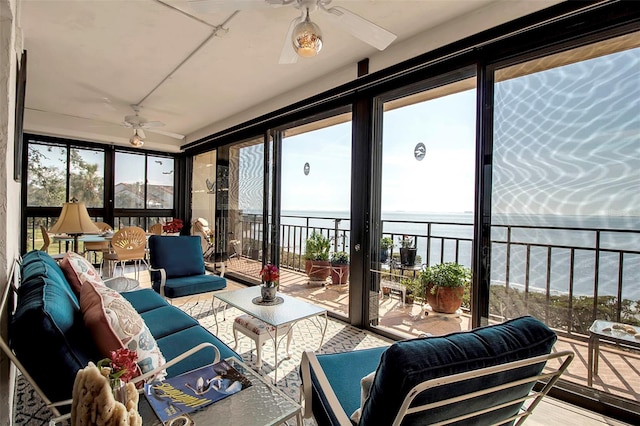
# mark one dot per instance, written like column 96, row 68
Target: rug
column 339, row 337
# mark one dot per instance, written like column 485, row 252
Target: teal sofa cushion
column 47, row 332
column 144, row 300
column 177, row 343
column 167, row 320
column 407, row 363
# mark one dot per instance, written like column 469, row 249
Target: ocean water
column 618, row 239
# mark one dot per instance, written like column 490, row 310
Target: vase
column 268, row 293
column 119, row 391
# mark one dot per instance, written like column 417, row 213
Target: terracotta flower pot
column 317, row 270
column 339, row 274
column 447, row 300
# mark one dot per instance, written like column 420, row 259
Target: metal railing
column 554, row 273
column 35, row 241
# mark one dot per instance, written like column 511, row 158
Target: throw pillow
column 115, row 324
column 365, row 389
column 78, row 270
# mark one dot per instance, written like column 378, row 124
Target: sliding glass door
column 315, row 197
column 426, row 201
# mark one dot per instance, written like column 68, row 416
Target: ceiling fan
column 304, row 37
column 140, row 124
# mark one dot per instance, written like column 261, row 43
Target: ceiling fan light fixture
column 307, row 38
column 136, row 140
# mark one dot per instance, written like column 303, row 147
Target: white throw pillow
column 365, row 388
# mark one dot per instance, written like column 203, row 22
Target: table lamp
column 74, row 221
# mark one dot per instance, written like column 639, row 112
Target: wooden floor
column 550, row 411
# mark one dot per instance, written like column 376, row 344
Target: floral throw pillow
column 115, row 324
column 78, row 270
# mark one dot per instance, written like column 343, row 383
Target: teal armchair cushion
column 179, row 256
column 195, row 284
column 408, row 363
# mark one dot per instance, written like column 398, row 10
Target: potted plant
column 445, row 285
column 412, row 289
column 385, row 244
column 270, row 275
column 339, row 267
column 316, row 255
column 408, row 250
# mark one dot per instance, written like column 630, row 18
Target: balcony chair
column 128, row 244
column 98, row 247
column 200, row 227
column 177, row 267
column 46, row 242
column 479, row 377
column 156, row 229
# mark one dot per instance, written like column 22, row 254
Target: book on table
column 194, row 390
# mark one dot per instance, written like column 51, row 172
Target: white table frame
column 290, row 312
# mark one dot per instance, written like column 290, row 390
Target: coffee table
column 289, row 312
column 260, row 404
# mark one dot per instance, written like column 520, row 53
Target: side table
column 122, row 284
column 604, row 330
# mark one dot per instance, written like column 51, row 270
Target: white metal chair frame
column 12, row 286
column 550, row 374
column 261, row 338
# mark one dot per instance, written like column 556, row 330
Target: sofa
column 49, row 335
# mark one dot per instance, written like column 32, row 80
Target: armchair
column 482, row 377
column 177, row 267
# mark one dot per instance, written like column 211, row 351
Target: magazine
column 194, row 390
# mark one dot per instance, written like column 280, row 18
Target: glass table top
column 276, row 315
column 261, row 404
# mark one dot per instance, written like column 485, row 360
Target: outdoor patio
column 619, row 369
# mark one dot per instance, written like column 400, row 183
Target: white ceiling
column 88, row 61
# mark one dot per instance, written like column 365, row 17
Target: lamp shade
column 74, row 219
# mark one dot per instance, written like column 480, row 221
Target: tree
column 46, row 184
column 84, row 182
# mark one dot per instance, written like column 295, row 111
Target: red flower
column 122, row 363
column 270, row 274
column 174, row 226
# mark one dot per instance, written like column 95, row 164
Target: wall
column 10, row 45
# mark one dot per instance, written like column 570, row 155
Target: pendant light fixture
column 307, row 38
column 136, row 140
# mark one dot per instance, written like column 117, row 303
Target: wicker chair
column 45, row 238
column 98, row 247
column 128, row 244
column 156, row 229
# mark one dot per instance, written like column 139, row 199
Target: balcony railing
column 566, row 276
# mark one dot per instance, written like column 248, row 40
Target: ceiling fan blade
column 288, row 54
column 361, row 28
column 150, row 124
column 170, row 134
column 127, row 124
column 141, row 133
column 212, row 6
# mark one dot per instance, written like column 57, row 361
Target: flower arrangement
column 270, row 275
column 172, row 227
column 407, row 242
column 119, row 367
